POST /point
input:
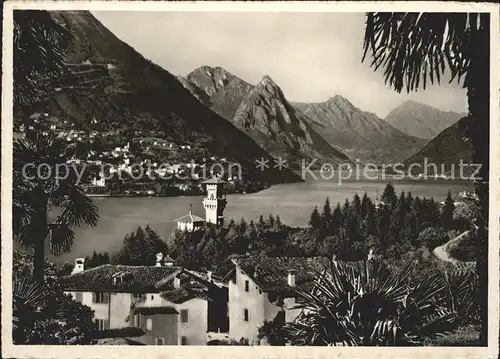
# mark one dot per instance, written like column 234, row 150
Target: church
column 214, row 204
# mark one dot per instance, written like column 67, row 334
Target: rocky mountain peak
column 339, row 101
column 269, row 87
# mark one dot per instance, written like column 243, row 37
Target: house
column 263, row 289
column 171, row 305
column 190, row 222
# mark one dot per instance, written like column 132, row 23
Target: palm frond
column 38, row 43
column 416, row 47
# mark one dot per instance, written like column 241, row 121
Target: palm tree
column 41, row 179
column 372, row 304
column 38, row 56
column 413, row 48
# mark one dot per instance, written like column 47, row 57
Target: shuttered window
column 100, row 297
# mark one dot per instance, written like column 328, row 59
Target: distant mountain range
column 448, row 148
column 361, row 135
column 216, row 110
column 263, row 112
column 419, row 120
column 137, row 93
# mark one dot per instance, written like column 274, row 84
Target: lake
column 293, row 202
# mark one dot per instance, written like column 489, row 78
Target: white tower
column 215, row 201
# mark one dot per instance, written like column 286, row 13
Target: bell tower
column 215, row 201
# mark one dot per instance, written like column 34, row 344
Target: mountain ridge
column 360, row 134
column 421, row 120
column 141, row 93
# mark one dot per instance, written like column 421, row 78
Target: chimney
column 177, row 282
column 79, row 265
column 291, row 277
column 159, row 259
column 209, row 275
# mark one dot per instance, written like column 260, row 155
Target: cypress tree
column 447, row 213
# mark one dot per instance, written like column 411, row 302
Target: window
column 247, row 286
column 159, row 341
column 184, row 341
column 184, row 316
column 245, row 315
column 149, row 324
column 137, row 320
column 117, row 280
column 100, row 297
column 152, row 296
column 101, row 324
column 78, row 296
column 280, row 317
column 138, row 295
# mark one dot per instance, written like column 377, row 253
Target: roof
column 214, row 180
column 184, row 294
column 190, row 218
column 155, row 310
column 137, row 278
column 271, row 273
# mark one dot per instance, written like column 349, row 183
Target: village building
column 264, row 289
column 214, row 204
column 171, row 305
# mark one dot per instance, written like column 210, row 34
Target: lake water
column 293, row 202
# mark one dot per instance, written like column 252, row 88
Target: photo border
column 48, row 351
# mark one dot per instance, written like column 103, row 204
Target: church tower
column 215, row 201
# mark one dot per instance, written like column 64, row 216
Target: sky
column 311, row 56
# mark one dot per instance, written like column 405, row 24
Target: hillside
column 448, row 148
column 223, row 90
column 359, row 134
column 266, row 116
column 422, row 121
column 137, row 93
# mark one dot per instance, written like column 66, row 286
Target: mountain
column 266, row 116
column 419, row 120
column 361, row 135
column 132, row 92
column 223, row 91
column 447, row 149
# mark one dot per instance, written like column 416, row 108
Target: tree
column 140, row 248
column 389, row 195
column 432, row 238
column 368, row 304
column 42, row 312
column 38, row 43
column 315, row 220
column 416, row 47
column 38, row 184
column 447, row 213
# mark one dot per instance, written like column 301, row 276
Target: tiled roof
column 183, row 294
column 135, row 278
column 155, row 310
column 190, row 218
column 214, row 180
column 271, row 273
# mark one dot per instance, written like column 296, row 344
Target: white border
column 9, row 350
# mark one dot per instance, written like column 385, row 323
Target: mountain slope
column 139, row 93
column 361, row 135
column 279, row 128
column 447, row 149
column 223, row 90
column 419, row 120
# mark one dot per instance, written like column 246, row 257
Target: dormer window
column 117, row 280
